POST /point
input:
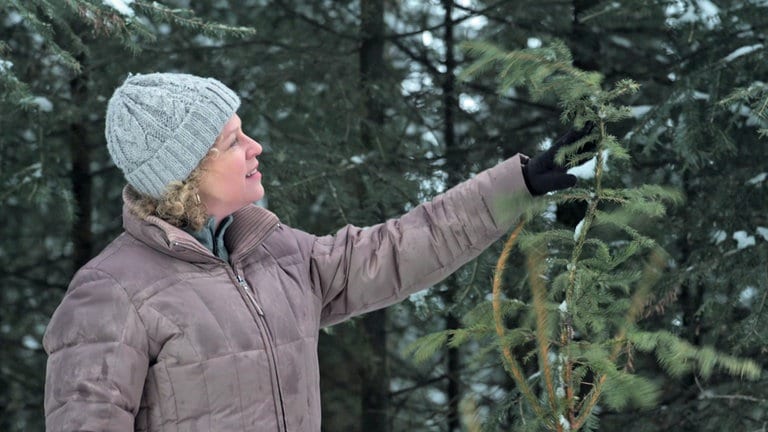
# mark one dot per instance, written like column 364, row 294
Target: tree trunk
column 375, row 372
column 81, row 178
column 454, row 169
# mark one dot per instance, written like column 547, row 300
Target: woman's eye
column 234, row 143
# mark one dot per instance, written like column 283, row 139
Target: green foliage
column 711, row 292
column 545, row 71
column 755, row 99
column 680, row 357
column 601, row 275
column 60, row 23
column 426, row 346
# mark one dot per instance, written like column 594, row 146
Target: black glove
column 543, row 175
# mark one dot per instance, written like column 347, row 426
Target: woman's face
column 230, row 180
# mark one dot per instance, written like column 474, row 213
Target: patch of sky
column 427, row 38
column 164, row 29
column 289, row 87
column 30, row 342
column 468, row 103
column 437, row 397
column 474, row 24
column 534, row 42
column 763, row 232
column 415, row 82
column 205, row 41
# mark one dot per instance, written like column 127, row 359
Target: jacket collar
column 212, row 237
column 250, row 226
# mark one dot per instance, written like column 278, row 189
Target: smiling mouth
column 252, row 173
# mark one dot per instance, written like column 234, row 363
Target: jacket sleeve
column 358, row 270
column 97, row 358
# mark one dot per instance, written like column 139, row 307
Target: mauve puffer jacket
column 158, row 334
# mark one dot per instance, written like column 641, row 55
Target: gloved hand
column 543, row 175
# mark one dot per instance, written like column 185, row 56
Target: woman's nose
column 254, row 148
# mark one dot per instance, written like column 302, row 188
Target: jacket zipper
column 260, row 318
column 268, row 344
column 247, row 289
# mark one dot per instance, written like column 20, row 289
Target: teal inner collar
column 213, row 238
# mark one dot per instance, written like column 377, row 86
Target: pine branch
column 186, row 19
column 538, row 292
column 606, row 284
column 511, row 364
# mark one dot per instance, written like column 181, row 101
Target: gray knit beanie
column 160, row 126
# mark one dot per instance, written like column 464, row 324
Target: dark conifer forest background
column 364, row 112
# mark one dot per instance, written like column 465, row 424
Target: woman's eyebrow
column 226, row 136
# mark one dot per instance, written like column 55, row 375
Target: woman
column 204, row 314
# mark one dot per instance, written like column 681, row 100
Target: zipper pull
column 245, row 286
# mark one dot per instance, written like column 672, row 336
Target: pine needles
column 61, row 25
column 589, row 288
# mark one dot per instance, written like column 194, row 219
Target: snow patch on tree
column 681, row 12
column 577, row 231
column 587, row 169
column 640, row 110
column 12, row 19
column 122, row 6
column 5, row 66
column 747, row 296
column 739, row 52
column 743, row 239
column 757, row 179
column 43, row 103
column 718, row 236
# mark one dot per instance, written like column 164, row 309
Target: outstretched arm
column 359, row 270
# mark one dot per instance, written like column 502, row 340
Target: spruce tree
column 573, row 349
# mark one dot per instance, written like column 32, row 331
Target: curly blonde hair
column 180, row 205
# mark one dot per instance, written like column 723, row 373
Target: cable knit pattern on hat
column 160, row 126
